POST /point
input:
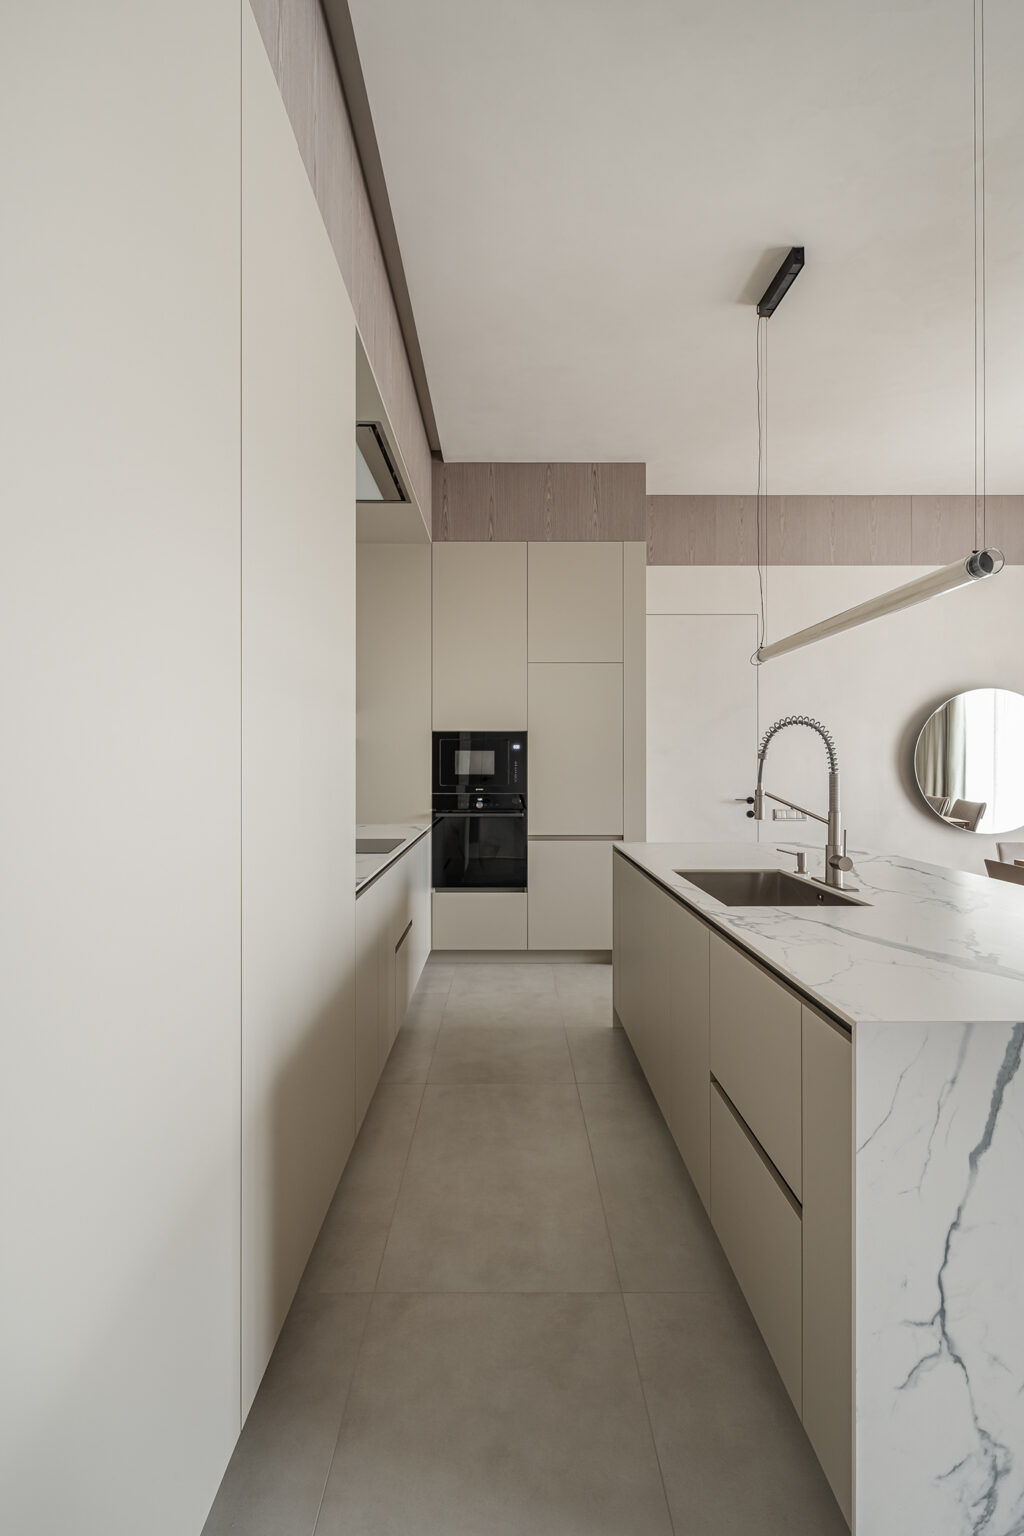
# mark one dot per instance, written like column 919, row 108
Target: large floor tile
column 660, row 1231
column 499, row 1194
column 593, row 981
column 348, row 1251
column 505, row 1008
column 733, row 1453
column 412, row 1052
column 495, row 1416
column 503, row 979
column 601, row 1054
column 276, row 1477
column 501, row 1053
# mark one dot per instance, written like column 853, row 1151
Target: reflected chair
column 1014, row 873
column 969, row 812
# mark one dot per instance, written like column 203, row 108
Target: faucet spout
column 837, row 864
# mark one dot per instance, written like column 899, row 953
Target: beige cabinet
column 569, row 903
column 479, row 919
column 575, row 602
column 755, row 1053
column 392, row 945
column 758, row 1225
column 479, row 643
column 575, row 735
column 660, row 991
column 828, row 1250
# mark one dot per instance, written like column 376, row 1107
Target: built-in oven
column 479, row 840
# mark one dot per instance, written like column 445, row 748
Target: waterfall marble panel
column 940, row 1258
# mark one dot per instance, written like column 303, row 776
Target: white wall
column 298, row 712
column 872, row 687
column 119, row 764
column 393, row 731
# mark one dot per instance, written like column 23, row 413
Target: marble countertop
column 370, row 864
column 933, row 944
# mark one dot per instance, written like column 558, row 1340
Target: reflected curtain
column 942, row 754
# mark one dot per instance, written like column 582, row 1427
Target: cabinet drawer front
column 755, row 1054
column 759, row 1229
column 828, row 1251
column 479, row 919
column 570, row 896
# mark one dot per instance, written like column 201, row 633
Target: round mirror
column 969, row 761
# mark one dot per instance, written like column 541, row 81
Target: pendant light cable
column 762, row 471
column 980, row 433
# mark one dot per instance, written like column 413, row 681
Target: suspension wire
column 980, row 416
column 761, row 472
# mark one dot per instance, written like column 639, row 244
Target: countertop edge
column 393, row 857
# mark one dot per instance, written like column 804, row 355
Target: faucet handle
column 801, row 858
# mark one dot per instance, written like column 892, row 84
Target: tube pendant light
column 978, row 565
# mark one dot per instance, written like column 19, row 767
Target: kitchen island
column 844, row 1084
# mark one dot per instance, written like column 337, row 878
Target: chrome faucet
column 836, row 862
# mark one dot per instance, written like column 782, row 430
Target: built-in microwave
column 466, row 762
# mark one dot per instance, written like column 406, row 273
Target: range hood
column 376, row 476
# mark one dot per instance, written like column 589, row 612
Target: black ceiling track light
column 781, row 283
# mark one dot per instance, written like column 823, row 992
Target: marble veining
column 940, row 1256
column 933, row 943
column 930, row 978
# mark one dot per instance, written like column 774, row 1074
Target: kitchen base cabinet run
column 392, row 945
column 756, row 1089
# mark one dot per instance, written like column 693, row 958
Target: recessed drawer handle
column 405, row 935
column 762, row 1154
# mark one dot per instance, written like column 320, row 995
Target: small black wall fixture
column 781, row 282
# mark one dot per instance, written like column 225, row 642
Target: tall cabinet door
column 575, row 734
column 298, row 706
column 575, row 602
column 479, row 637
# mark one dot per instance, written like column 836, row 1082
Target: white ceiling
column 591, row 194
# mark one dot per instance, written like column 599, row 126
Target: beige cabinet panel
column 479, row 609
column 575, row 602
column 634, row 691
column 690, row 1023
column 393, row 775
column 828, row 1250
column 369, row 926
column 758, row 1226
column 569, row 904
column 575, row 739
column 755, row 1054
column 479, row 920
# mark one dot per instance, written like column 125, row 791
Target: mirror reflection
column 969, row 760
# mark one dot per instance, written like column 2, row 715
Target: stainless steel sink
column 766, row 888
column 378, row 844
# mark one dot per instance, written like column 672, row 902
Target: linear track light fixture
column 781, row 283
column 979, row 564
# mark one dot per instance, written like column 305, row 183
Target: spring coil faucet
column 836, row 861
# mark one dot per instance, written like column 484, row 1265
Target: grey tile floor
column 516, row 1320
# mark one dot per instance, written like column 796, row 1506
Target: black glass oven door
column 477, row 851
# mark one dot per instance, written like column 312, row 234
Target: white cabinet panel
column 575, row 740
column 701, row 726
column 634, row 691
column 479, row 920
column 119, row 629
column 755, row 1054
column 479, row 608
column 298, row 703
column 758, row 1226
column 575, row 602
column 828, row 1250
column 570, row 895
